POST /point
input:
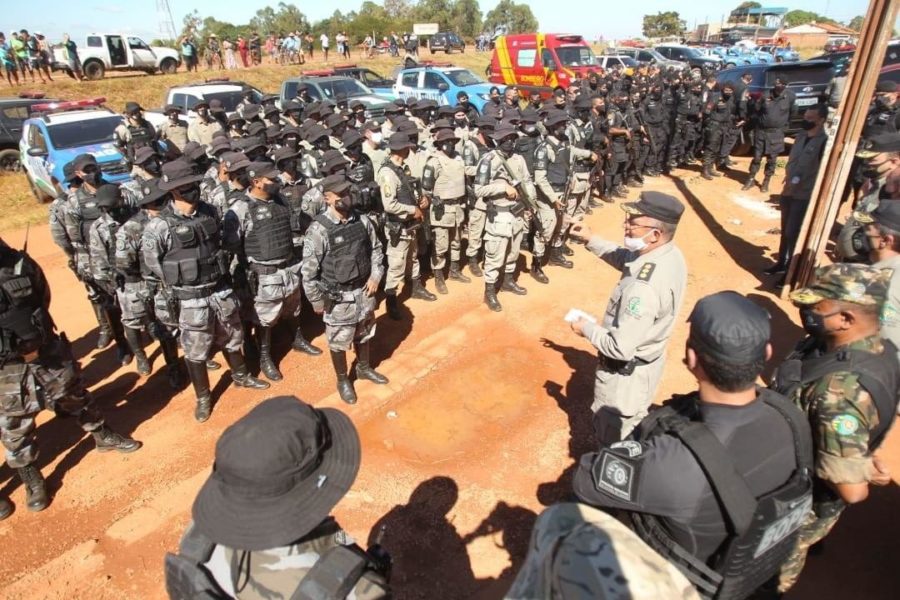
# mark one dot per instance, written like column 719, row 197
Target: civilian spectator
column 8, row 56
column 72, row 60
column 45, row 53
column 189, row 54
column 325, row 43
column 243, row 50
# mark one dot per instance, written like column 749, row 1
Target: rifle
column 523, row 194
column 427, row 233
column 650, row 140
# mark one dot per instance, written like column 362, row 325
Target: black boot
column 751, row 181
column 537, row 273
column 439, row 284
column 707, row 173
column 212, row 365
column 266, row 364
column 36, row 497
column 364, row 369
column 199, row 375
column 240, row 374
column 251, row 352
column 490, row 297
column 566, row 250
column 133, row 337
column 344, row 385
column 764, row 188
column 6, row 508
column 620, row 192
column 123, row 347
column 558, row 260
column 107, row 439
column 509, row 285
column 713, row 171
column 393, row 305
column 473, row 266
column 106, row 335
column 170, row 353
column 420, row 293
column 300, row 344
column 457, row 275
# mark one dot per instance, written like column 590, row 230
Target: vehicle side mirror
column 443, row 87
column 35, row 151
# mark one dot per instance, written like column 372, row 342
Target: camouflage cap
column 846, row 282
column 581, row 553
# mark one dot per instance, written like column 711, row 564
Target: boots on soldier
column 36, row 497
column 393, row 305
column 344, row 385
column 300, row 344
column 537, row 273
column 509, row 285
column 457, row 275
column 713, row 171
column 764, row 188
column 420, row 293
column 240, row 374
column 620, row 192
column 251, row 352
column 106, row 335
column 558, row 260
column 566, row 250
column 133, row 337
column 707, row 174
column 170, row 353
column 6, row 508
column 364, row 369
column 439, row 284
column 751, row 181
column 266, row 363
column 107, row 439
column 490, row 297
column 474, row 268
column 199, row 375
column 212, row 365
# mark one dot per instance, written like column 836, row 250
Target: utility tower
column 166, row 23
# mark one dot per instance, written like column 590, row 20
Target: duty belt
column 459, row 200
column 350, row 286
column 262, row 269
column 620, row 367
column 405, row 223
column 195, row 293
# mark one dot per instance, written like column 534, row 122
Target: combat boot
column 344, row 385
column 36, row 497
column 6, row 508
column 213, row 365
column 490, row 297
column 106, row 334
column 713, row 171
column 566, row 250
column 509, row 285
column 240, row 374
column 707, row 173
column 537, row 273
column 393, row 305
column 620, row 192
column 558, row 260
column 457, row 275
column 474, row 268
column 123, row 349
column 764, row 188
column 133, row 337
column 439, row 284
column 751, row 181
column 594, row 203
column 170, row 353
column 266, row 364
column 420, row 293
column 107, row 440
column 199, row 375
column 364, row 369
column 300, row 343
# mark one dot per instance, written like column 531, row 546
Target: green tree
column 518, row 18
column 398, row 10
column 735, row 14
column 856, row 23
column 433, row 11
column 466, row 18
column 663, row 24
column 801, row 17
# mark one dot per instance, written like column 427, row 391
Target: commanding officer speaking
column 342, row 268
column 631, row 340
column 707, row 480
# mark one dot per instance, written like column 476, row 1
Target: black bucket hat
column 279, row 471
column 151, row 192
column 178, row 173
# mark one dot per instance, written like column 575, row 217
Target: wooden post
column 844, row 134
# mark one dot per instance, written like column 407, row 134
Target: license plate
column 806, row 101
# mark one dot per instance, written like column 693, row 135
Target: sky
column 605, row 17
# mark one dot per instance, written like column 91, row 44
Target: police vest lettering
column 269, row 238
column 762, row 531
column 348, row 260
column 195, row 256
column 558, row 170
column 405, row 194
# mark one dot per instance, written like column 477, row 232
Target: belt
column 621, row 367
column 458, row 200
column 195, row 293
column 391, row 218
column 262, row 269
column 351, row 286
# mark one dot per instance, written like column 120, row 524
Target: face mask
column 360, row 117
column 191, row 194
column 153, row 168
column 92, row 178
column 292, row 143
column 462, row 122
column 271, row 188
column 507, row 146
column 726, row 95
column 343, row 204
column 882, row 102
column 634, row 244
column 290, row 167
column 560, row 133
column 531, row 130
column 814, row 323
column 807, row 125
column 861, row 242
column 873, row 171
column 449, row 148
column 376, row 138
column 323, row 144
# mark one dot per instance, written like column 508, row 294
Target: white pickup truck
column 120, row 52
column 229, row 93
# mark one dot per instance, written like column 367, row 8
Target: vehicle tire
column 40, row 196
column 730, row 66
column 168, row 66
column 430, row 50
column 93, row 70
column 779, row 59
column 10, row 161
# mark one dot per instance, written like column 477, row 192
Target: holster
column 617, row 367
column 491, row 212
column 439, row 209
column 393, row 230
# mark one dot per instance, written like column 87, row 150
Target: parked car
column 540, row 62
column 104, row 52
column 735, row 56
column 839, row 43
column 367, row 76
column 780, row 54
column 446, row 41
column 13, row 112
column 647, row 56
column 693, row 57
column 628, row 64
column 329, row 87
column 440, row 83
column 890, row 68
column 57, row 132
column 229, row 93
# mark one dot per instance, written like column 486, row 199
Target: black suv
column 367, row 76
column 446, row 41
column 693, row 57
column 13, row 112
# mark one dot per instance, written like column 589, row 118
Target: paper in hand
column 576, row 313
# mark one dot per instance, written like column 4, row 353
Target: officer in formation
column 174, row 132
column 772, row 113
column 204, row 127
column 135, row 132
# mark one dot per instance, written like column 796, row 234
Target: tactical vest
column 655, row 111
column 879, row 122
column 347, row 264
column 558, row 170
column 722, row 110
column 361, row 172
column 776, row 113
column 310, row 164
column 24, row 321
column 292, row 197
column 90, row 212
column 140, row 136
column 762, row 531
column 525, row 147
column 405, row 194
column 195, row 257
column 270, row 238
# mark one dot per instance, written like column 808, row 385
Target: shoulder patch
column 646, row 272
column 615, row 475
column 845, row 424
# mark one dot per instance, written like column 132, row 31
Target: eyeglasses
column 629, row 226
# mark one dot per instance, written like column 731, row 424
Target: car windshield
column 575, row 56
column 692, row 52
column 348, row 87
column 628, row 61
column 654, row 54
column 229, row 100
column 463, row 77
column 83, row 133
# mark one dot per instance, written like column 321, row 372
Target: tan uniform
column 578, row 198
column 376, row 155
column 203, row 133
column 174, row 133
column 636, row 328
column 445, row 178
column 472, row 153
column 397, row 212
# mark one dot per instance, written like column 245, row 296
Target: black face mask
column 560, row 133
column 807, row 125
column 292, row 143
column 814, row 323
column 153, row 167
column 323, row 144
column 271, row 188
column 343, row 205
column 191, row 194
column 290, row 167
column 726, row 95
column 507, row 146
column 871, row 171
column 92, row 178
column 530, row 130
column 861, row 243
column 464, row 122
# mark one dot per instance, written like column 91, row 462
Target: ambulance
column 540, row 62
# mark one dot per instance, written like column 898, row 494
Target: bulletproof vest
column 655, row 111
column 683, row 103
column 631, row 119
column 879, row 374
column 776, row 112
column 309, row 164
column 880, row 121
column 361, row 172
column 762, row 531
column 525, row 146
column 90, row 212
column 140, row 135
column 292, row 197
column 405, row 194
column 722, row 110
column 270, row 238
column 24, row 321
column 558, row 170
column 195, row 257
column 348, row 260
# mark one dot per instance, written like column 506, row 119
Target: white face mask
column 376, row 138
column 635, row 244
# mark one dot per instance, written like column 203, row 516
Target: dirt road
column 477, row 431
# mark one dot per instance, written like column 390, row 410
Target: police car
column 439, row 82
column 57, row 132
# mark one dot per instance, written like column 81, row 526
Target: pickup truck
column 229, row 93
column 438, row 82
column 330, row 87
column 104, row 52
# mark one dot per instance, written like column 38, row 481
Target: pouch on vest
column 186, row 578
column 186, row 236
column 334, row 575
column 13, row 390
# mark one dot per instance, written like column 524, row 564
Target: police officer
column 720, row 111
column 203, row 128
column 279, row 471
column 580, row 132
column 135, row 132
column 474, row 148
column 290, row 192
column 632, row 337
column 373, row 144
column 175, row 130
column 772, row 114
column 620, row 135
column 233, row 166
column 846, row 379
column 342, row 269
column 403, row 223
column 37, row 371
column 704, row 479
column 656, row 120
column 57, row 216
column 361, row 173
column 312, row 162
column 501, row 174
column 880, row 238
column 183, row 249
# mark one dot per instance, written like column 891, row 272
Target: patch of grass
column 17, row 204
